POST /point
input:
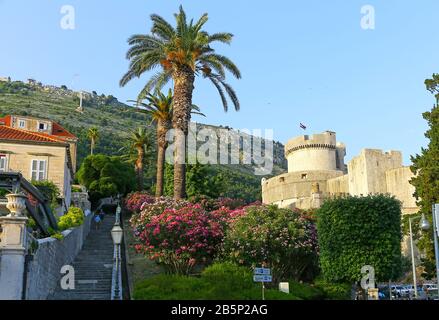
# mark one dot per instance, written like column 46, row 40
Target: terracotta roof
column 6, row 120
column 57, row 130
column 59, row 134
column 7, row 133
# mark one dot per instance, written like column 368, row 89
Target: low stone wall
column 44, row 269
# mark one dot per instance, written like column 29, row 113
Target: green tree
column 357, row 231
column 426, row 182
column 93, row 135
column 181, row 53
column 140, row 140
column 106, row 176
column 159, row 107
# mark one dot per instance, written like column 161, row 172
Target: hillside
column 113, row 119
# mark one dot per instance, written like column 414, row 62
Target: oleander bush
column 282, row 239
column 211, row 204
column 135, row 200
column 181, row 238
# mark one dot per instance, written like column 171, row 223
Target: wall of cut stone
column 339, row 185
column 44, row 270
column 398, row 185
column 367, row 171
column 296, row 185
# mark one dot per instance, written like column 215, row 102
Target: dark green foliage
column 15, row 87
column 332, row 290
column 281, row 239
column 358, row 231
column 426, row 167
column 216, row 181
column 223, row 281
column 106, row 176
column 49, row 190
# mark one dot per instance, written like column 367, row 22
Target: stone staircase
column 93, row 266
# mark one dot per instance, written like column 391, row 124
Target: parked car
column 430, row 286
column 396, row 291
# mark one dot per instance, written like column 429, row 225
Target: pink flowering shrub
column 284, row 240
column 210, row 204
column 134, row 201
column 149, row 210
column 181, row 237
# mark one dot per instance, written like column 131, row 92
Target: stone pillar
column 316, row 196
column 13, row 248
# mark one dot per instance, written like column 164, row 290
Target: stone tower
column 319, row 152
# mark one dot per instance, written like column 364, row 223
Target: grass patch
column 222, row 281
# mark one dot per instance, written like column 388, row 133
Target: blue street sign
column 262, row 278
column 263, row 271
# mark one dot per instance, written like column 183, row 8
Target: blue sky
column 302, row 61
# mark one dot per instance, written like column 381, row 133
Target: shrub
column 73, row 218
column 148, row 210
column 282, row 239
column 210, row 204
column 180, row 238
column 134, row 201
column 334, row 291
column 55, row 234
column 358, row 231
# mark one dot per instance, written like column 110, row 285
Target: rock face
column 319, row 159
column 93, row 266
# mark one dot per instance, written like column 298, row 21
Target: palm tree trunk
column 139, row 167
column 92, row 145
column 160, row 171
column 162, row 128
column 183, row 87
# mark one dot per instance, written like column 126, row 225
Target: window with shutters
column 38, row 170
column 3, row 163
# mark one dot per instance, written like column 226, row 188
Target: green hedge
column 358, row 231
column 221, row 281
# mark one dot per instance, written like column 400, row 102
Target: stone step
column 93, row 266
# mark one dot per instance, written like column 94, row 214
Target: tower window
column 304, row 176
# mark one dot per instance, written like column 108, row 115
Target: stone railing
column 43, row 271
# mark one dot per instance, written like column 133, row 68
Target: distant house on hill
column 39, row 149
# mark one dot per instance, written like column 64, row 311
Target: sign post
column 262, row 275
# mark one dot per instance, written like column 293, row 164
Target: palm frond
column 157, row 82
column 225, row 62
column 222, row 37
column 220, row 91
column 161, row 27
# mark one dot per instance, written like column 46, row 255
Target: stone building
column 316, row 170
column 39, row 149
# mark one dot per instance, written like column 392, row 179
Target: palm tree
column 140, row 141
column 93, row 135
column 180, row 53
column 159, row 107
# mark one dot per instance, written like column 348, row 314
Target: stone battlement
column 326, row 140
